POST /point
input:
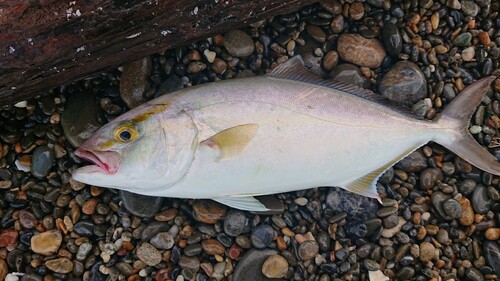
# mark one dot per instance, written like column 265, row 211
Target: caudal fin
column 456, row 118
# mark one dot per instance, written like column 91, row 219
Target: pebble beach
column 439, row 218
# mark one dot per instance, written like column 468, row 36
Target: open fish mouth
column 104, row 161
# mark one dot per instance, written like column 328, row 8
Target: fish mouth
column 104, row 161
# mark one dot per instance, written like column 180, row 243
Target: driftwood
column 47, row 43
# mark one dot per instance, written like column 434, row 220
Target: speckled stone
column 361, row 51
column 60, row 265
column 275, row 266
column 238, row 43
column 148, row 254
column 404, row 83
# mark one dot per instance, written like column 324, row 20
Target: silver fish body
column 235, row 139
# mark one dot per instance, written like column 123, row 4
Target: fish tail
column 455, row 122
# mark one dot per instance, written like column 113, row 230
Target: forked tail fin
column 455, row 118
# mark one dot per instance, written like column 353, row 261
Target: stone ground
column 440, row 216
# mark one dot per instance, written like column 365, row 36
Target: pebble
column 330, row 60
column 467, row 217
column 452, row 208
column 429, row 177
column 468, row 54
column 357, row 10
column 360, row 51
column 172, row 83
column 463, row 39
column 275, row 266
column 404, row 84
column 134, row 81
column 249, row 267
column 391, row 37
column 480, row 201
column 141, row 205
column 234, row 222
column 83, row 251
column 79, row 119
column 238, row 43
column 163, row 241
column 473, row 274
column 219, row 66
column 148, row 254
column 308, row 250
column 46, row 243
column 27, row 219
column 492, row 234
column 342, row 201
column 60, row 265
column 212, row 247
column 208, row 211
column 469, row 7
column 209, row 55
column 484, row 37
column 11, row 277
column 262, row 236
column 42, row 161
column 492, row 254
column 427, row 251
column 389, row 233
column 4, row 270
column 337, row 24
column 316, row 33
column 349, row 74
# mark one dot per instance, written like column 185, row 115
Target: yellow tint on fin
column 367, row 185
column 150, row 111
column 232, row 141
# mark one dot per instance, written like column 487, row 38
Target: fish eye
column 126, row 132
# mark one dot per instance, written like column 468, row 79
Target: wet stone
column 192, row 250
column 46, row 243
column 234, row 223
column 249, row 267
column 349, row 74
column 360, row 51
column 84, row 228
column 83, row 251
column 163, row 241
column 480, row 200
column 192, row 263
column 61, row 265
column 262, row 236
column 134, row 81
column 171, row 84
column 391, row 37
column 153, row 229
column 308, row 250
column 371, row 265
column 42, row 161
column 79, row 119
column 148, row 254
column 404, row 84
column 141, row 205
column 426, row 251
column 238, row 43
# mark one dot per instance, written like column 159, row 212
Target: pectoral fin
column 243, row 203
column 232, row 141
column 367, row 185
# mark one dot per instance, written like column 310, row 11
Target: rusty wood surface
column 47, row 43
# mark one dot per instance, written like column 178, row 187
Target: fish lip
column 107, row 161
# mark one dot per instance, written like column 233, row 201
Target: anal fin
column 367, row 185
column 243, row 203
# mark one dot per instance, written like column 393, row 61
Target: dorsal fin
column 294, row 69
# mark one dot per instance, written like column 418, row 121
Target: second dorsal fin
column 294, row 69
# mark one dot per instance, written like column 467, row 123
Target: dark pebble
column 43, row 159
column 250, row 265
column 262, row 236
column 404, row 84
column 452, row 208
column 391, row 37
column 473, row 274
column 84, row 228
column 480, row 200
column 492, row 254
column 234, row 223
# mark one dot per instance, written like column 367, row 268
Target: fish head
column 147, row 148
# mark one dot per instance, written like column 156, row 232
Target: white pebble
column 301, row 201
column 476, row 129
column 21, row 104
column 11, row 277
column 143, row 273
column 209, row 55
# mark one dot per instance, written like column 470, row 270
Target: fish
column 288, row 130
